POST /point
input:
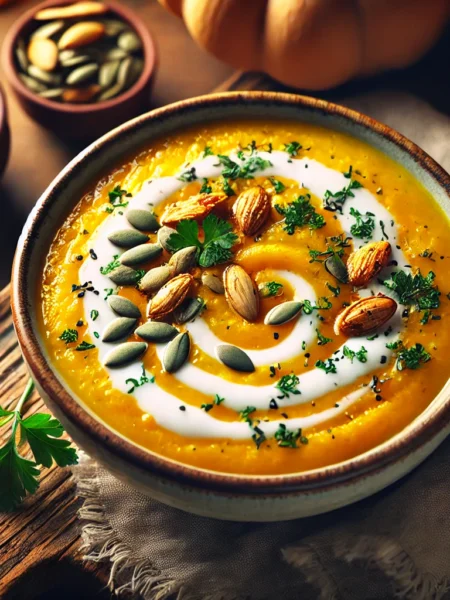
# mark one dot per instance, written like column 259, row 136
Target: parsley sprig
column 336, row 245
column 216, row 246
column 143, row 379
column 289, row 439
column 362, row 229
column 292, row 148
column 335, row 201
column 115, row 197
column 360, row 354
column 233, row 170
column 415, row 290
column 409, row 358
column 328, row 366
column 69, row 336
column 299, row 213
column 20, row 476
column 288, row 384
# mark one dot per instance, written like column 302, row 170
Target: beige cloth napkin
column 393, row 545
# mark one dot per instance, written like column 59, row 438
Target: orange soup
column 246, row 297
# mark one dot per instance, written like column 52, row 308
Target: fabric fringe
column 409, row 583
column 306, row 559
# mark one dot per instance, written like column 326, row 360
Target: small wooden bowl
column 4, row 133
column 82, row 121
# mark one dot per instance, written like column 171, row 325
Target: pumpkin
column 314, row 44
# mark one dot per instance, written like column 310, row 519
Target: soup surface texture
column 316, row 221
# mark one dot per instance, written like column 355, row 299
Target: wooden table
column 40, row 555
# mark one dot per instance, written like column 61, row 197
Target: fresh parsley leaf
column 233, row 170
column 409, row 358
column 42, row 432
column 270, row 288
column 135, row 383
column 109, row 292
column 258, row 437
column 336, row 245
column 323, row 304
column 362, row 229
column 288, row 385
column 361, row 354
column 244, row 415
column 207, row 407
column 69, row 335
column 321, row 339
column 219, row 238
column 335, row 201
column 206, row 188
column 228, row 190
column 328, row 366
column 188, row 176
column 115, row 197
column 287, row 438
column 334, row 290
column 292, row 148
column 114, row 264
column 207, row 151
column 299, row 213
column 19, row 476
column 186, row 235
column 278, row 185
column 84, row 346
column 94, row 315
column 415, row 290
column 218, row 400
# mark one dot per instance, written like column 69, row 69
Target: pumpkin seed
column 108, row 73
column 129, row 41
column 283, row 313
column 43, row 53
column 52, row 94
column 118, row 329
column 176, row 352
column 73, row 61
column 135, row 71
column 336, row 267
column 213, row 282
column 115, row 54
column 21, row 55
column 110, row 93
column 47, row 30
column 155, row 332
column 154, row 279
column 163, row 235
column 142, row 219
column 140, row 254
column 127, row 238
column 44, row 76
column 124, row 354
column 188, row 310
column 123, row 307
column 32, row 84
column 124, row 276
column 82, row 74
column 66, row 54
column 81, row 34
column 234, row 358
column 184, row 260
column 113, row 27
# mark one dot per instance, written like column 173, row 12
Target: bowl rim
column 127, row 14
column 412, row 438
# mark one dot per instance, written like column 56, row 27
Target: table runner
column 393, row 545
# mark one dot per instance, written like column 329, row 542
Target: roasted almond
column 365, row 316
column 365, row 264
column 241, row 292
column 79, row 9
column 43, row 53
column 170, row 296
column 196, row 207
column 252, row 209
column 81, row 34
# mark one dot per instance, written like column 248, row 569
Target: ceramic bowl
column 4, row 133
column 213, row 494
column 82, row 121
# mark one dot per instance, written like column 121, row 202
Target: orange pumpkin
column 314, row 44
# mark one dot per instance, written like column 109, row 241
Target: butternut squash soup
column 254, row 298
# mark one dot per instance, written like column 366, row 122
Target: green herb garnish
column 362, row 228
column 299, row 213
column 292, row 148
column 135, row 383
column 334, row 290
column 361, row 354
column 415, row 289
column 207, row 407
column 258, row 437
column 188, row 176
column 115, row 197
column 328, row 366
column 218, row 239
column 206, row 188
column 409, row 358
column 323, row 304
column 288, row 385
column 233, row 170
column 94, row 315
column 335, row 247
column 114, row 264
column 278, row 185
column 287, row 438
column 270, row 289
column 335, row 201
column 228, row 190
column 244, row 415
column 218, row 400
column 207, row 151
column 69, row 335
column 321, row 339
column 18, row 475
column 84, row 346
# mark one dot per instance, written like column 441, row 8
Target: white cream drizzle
column 194, row 422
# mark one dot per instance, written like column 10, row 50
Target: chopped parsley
column 244, row 415
column 334, row 290
column 308, row 308
column 135, row 383
column 218, row 400
column 270, row 289
column 299, row 213
column 84, row 346
column 108, row 292
column 278, row 185
column 328, row 366
column 206, row 188
column 292, row 148
column 288, row 385
column 361, row 354
column 188, row 176
column 409, row 358
column 207, row 407
column 336, row 245
column 207, row 151
column 114, row 264
column 415, row 290
column 288, row 439
column 232, row 170
column 94, row 315
column 362, row 228
column 321, row 339
column 115, row 197
column 69, row 335
column 335, row 201
column 218, row 240
column 228, row 190
column 258, row 437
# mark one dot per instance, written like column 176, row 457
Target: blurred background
column 184, row 70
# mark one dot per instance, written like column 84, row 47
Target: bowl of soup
column 237, row 303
